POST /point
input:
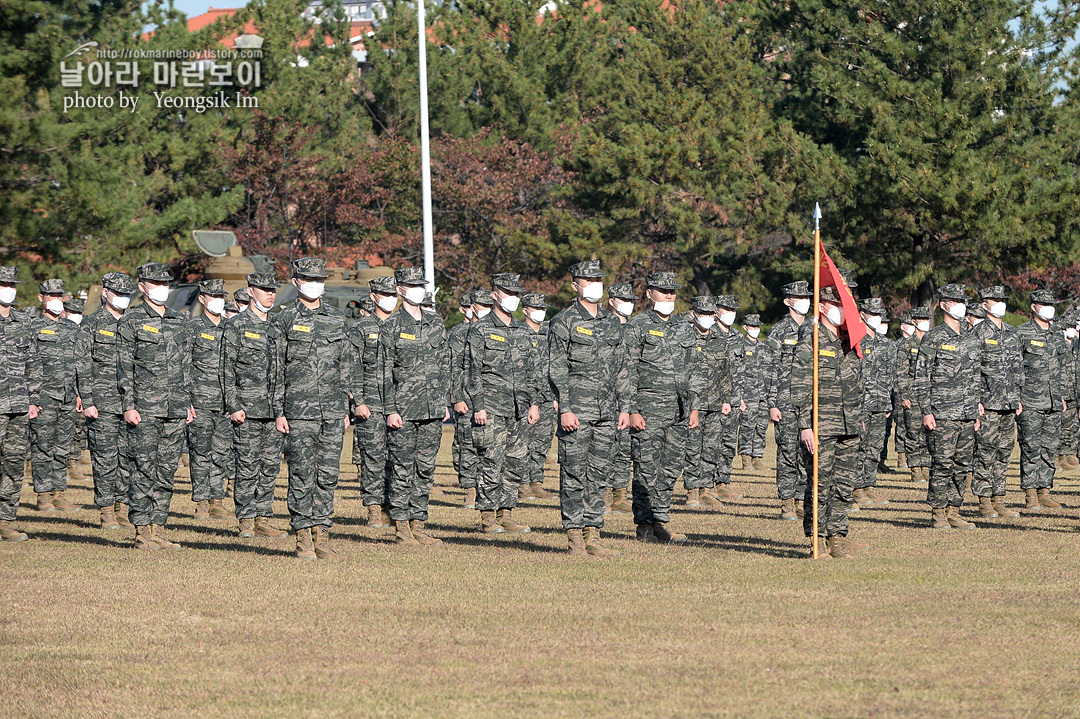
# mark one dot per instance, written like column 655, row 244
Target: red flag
column 829, row 275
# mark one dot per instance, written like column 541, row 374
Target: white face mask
column 882, row 329
column 510, row 304
column 414, row 295
column 76, row 318
column 593, row 292
column 1071, row 333
column 313, row 290
column 997, row 309
column 908, row 330
column 753, row 331
column 538, row 316
column 923, row 325
column 54, row 306
column 624, row 308
column 976, row 320
column 216, row 305
column 482, row 312
column 664, row 308
column 705, row 321
column 158, row 294
column 241, row 306
column 728, row 318
column 957, row 310
column 802, row 305
column 120, row 302
column 260, row 306
column 7, row 295
column 387, row 303
column 835, row 315
column 1046, row 312
column 469, row 314
column 873, row 322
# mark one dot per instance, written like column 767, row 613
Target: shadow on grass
column 749, row 545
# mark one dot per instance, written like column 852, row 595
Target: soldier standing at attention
column 917, row 454
column 369, row 425
column 20, row 367
column 1066, row 325
column 462, row 450
column 878, row 375
column 999, row 403
column 783, row 338
column 51, row 430
column 210, row 445
column 907, row 329
column 725, row 313
column 79, row 456
column 247, row 365
column 890, row 418
column 96, row 382
column 664, row 378
column 754, row 420
column 501, row 383
column 414, row 364
column 541, row 433
column 588, row 374
column 313, row 371
column 1044, row 357
column 242, row 299
column 946, row 384
column 154, row 377
column 840, row 423
column 620, row 302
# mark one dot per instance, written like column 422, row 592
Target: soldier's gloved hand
column 569, row 422
column 132, row 417
column 238, row 417
column 725, row 409
column 929, row 422
column 363, row 411
column 461, row 407
column 394, row 421
column 534, row 414
column 190, row 415
column 282, row 425
column 693, row 419
column 637, row 422
column 807, row 436
column 774, row 414
column 480, row 417
column 90, row 412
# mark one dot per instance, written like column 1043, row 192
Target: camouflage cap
column 1043, row 297
column 309, row 267
column 588, row 269
column 262, row 280
column 119, row 283
column 704, row 304
column 242, row 294
column 429, row 300
column 953, row 291
column 9, row 273
column 872, row 306
column 993, row 292
column 727, row 302
column 482, row 297
column 753, row 320
column 848, row 277
column 367, row 305
column 662, row 281
column 75, row 306
column 509, row 281
column 920, row 313
column 974, row 309
column 799, row 288
column 829, row 293
column 51, row 287
column 212, row 287
column 534, row 299
column 621, row 291
column 230, row 307
column 384, row 285
column 410, row 276
column 465, row 300
column 154, row 271
column 905, row 319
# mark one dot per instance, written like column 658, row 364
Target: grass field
column 982, row 623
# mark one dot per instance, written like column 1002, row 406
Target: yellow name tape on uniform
column 584, row 331
column 148, row 328
column 48, row 332
column 950, row 348
column 301, row 328
column 107, row 333
column 407, row 336
column 869, row 351
column 656, row 333
column 826, row 353
column 373, row 335
column 497, row 337
column 749, row 353
column 791, row 341
column 253, row 335
column 1037, row 343
column 914, row 350
column 534, row 343
column 206, row 336
column 991, row 342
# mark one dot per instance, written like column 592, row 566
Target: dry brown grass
column 982, row 623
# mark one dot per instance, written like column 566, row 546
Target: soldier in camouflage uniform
column 462, row 450
column 976, row 315
column 883, row 335
column 879, row 373
column 95, row 376
column 1067, row 447
column 154, row 377
column 501, row 384
column 754, row 420
column 51, row 430
column 712, row 353
column 587, row 371
column 242, row 298
column 946, row 384
column 231, row 310
column 840, row 422
column 907, row 329
column 665, row 381
column 541, row 433
column 369, row 428
column 414, row 364
column 1044, row 359
column 78, row 457
column 20, row 401
column 916, row 452
column 248, row 347
column 312, row 376
column 783, row 338
column 999, row 401
column 725, row 314
column 209, row 435
column 620, row 302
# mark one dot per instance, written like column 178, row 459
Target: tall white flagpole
column 425, row 153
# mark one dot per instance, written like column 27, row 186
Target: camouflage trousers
column 658, row 452
column 78, row 436
column 1069, row 429
column 952, row 446
column 838, row 465
column 790, row 460
column 210, row 448
column 702, row 457
column 918, row 453
column 14, row 438
column 1039, row 431
column 584, row 471
column 540, row 436
column 502, row 462
column 50, row 445
column 412, row 464
column 108, row 436
column 993, row 446
column 729, row 434
column 154, row 446
column 873, row 439
column 463, row 451
column 899, row 428
column 622, row 468
column 370, row 452
column 752, row 426
column 889, row 423
column 257, row 447
column 313, row 453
